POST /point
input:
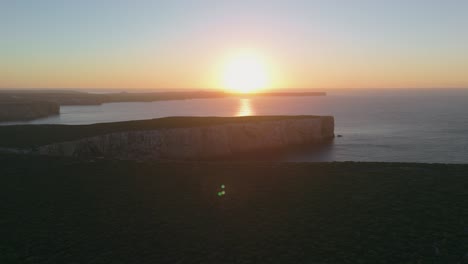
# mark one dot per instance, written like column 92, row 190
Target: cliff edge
column 206, row 137
column 198, row 142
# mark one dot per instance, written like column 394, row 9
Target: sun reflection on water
column 245, row 107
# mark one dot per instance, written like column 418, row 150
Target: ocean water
column 429, row 125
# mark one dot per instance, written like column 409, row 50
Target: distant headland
column 66, row 97
column 288, row 94
column 16, row 105
column 24, row 110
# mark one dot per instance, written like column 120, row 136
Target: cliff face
column 198, row 142
column 11, row 111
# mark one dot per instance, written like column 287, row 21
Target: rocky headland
column 175, row 138
column 21, row 110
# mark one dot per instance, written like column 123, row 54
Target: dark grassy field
column 27, row 136
column 66, row 211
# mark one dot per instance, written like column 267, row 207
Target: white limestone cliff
column 198, row 142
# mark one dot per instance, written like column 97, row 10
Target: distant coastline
column 24, row 110
column 84, row 98
column 64, row 97
column 32, row 104
column 294, row 94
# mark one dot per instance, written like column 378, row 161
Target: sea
column 379, row 125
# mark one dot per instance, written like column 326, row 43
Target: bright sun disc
column 245, row 73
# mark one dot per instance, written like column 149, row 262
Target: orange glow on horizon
column 246, row 72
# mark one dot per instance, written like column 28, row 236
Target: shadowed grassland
column 67, row 211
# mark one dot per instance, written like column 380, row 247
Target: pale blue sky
column 50, row 38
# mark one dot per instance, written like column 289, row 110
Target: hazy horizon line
column 221, row 90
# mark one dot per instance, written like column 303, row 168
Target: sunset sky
column 186, row 44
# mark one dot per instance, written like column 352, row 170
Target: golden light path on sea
column 245, row 107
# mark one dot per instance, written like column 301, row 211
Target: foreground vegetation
column 69, row 211
column 27, row 136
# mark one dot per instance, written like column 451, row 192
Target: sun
column 245, row 73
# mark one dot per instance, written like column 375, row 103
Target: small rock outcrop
column 198, row 142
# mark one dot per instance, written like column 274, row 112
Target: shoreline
column 31, row 105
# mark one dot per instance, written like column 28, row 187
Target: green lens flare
column 222, row 192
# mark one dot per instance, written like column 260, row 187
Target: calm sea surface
column 388, row 125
